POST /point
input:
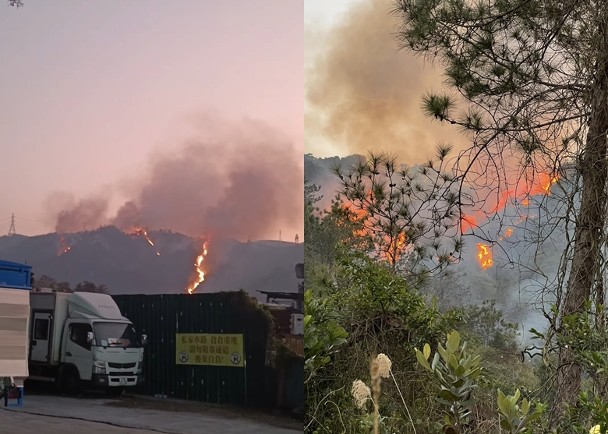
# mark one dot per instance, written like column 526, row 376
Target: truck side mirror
column 90, row 337
column 144, row 339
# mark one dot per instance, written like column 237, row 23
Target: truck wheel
column 70, row 382
column 115, row 391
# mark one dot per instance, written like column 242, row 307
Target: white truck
column 81, row 339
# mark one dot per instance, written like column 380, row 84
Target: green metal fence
column 160, row 317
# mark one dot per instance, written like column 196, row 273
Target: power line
column 11, row 230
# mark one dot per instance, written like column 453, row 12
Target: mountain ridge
column 127, row 263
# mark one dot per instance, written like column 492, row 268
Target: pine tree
column 532, row 76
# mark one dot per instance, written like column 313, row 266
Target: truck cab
column 83, row 339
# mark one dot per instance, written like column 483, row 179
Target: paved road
column 14, row 422
column 43, row 414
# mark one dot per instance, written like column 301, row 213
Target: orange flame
column 484, row 255
column 395, row 247
column 467, row 222
column 64, row 247
column 200, row 274
column 137, row 230
column 544, row 183
column 508, row 232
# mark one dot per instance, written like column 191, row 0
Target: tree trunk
column 589, row 225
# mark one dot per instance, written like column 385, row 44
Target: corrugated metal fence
column 160, row 317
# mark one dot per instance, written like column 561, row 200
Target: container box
column 15, row 283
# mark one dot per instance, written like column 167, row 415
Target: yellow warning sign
column 209, row 349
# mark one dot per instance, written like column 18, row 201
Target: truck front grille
column 121, row 365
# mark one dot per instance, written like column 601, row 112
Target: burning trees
column 410, row 214
column 534, row 77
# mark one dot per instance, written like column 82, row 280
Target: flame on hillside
column 484, row 256
column 139, row 231
column 467, row 222
column 545, row 182
column 520, row 194
column 395, row 248
column 508, row 232
column 199, row 272
column 64, row 247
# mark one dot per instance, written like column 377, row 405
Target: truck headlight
column 99, row 367
column 140, row 368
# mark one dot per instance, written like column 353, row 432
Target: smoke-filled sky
column 182, row 115
column 362, row 92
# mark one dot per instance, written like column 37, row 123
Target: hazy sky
column 92, row 92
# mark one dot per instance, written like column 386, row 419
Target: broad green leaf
column 453, row 341
column 422, row 360
column 443, row 353
column 503, row 403
column 515, row 397
column 453, row 362
column 460, row 370
column 505, row 424
column 525, row 407
column 435, row 361
column 448, row 395
column 426, row 351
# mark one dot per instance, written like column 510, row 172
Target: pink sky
column 90, row 91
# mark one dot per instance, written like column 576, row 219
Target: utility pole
column 11, row 230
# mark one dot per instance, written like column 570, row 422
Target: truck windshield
column 111, row 334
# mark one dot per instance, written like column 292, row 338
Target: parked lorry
column 15, row 286
column 81, row 338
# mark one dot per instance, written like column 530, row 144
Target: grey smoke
column 237, row 181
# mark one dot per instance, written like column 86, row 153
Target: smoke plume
column 365, row 94
column 77, row 214
column 235, row 181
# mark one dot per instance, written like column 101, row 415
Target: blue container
column 14, row 275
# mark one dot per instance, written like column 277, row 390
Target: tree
column 87, row 286
column 533, row 77
column 329, row 230
column 408, row 213
column 15, row 3
column 45, row 281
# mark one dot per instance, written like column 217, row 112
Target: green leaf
column 505, row 424
column 525, row 407
column 447, row 395
column 453, row 341
column 426, row 351
column 460, row 370
column 515, row 397
column 453, row 362
column 503, row 403
column 422, row 360
column 435, row 361
column 443, row 353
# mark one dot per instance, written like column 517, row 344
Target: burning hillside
column 142, row 232
column 199, row 272
column 128, row 264
column 241, row 181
